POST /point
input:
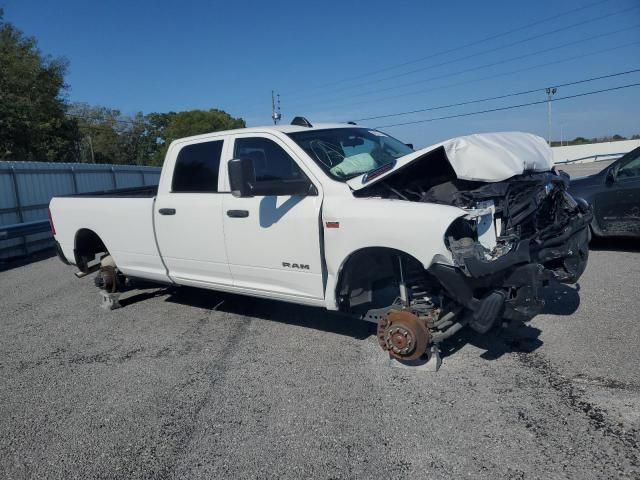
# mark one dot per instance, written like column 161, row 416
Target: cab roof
column 273, row 128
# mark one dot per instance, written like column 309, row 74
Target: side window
column 197, row 168
column 270, row 161
column 631, row 169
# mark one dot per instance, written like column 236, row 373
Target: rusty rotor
column 403, row 335
column 109, row 279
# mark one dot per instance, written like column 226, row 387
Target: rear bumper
column 60, row 253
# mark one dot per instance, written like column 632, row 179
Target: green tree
column 100, row 131
column 33, row 124
column 37, row 123
column 167, row 127
column 110, row 137
column 579, row 141
column 138, row 144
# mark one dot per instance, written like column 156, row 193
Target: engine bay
column 507, row 223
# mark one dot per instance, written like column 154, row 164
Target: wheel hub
column 403, row 335
column 107, row 279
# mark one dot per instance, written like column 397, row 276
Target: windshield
column 344, row 153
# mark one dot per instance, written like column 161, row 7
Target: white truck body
column 294, row 247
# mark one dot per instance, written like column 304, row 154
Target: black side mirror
column 611, row 176
column 410, row 145
column 242, row 177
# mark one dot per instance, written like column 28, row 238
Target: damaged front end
column 522, row 229
column 517, row 235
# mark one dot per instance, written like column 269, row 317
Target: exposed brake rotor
column 107, row 279
column 403, row 335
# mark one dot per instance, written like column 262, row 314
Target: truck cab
column 264, row 243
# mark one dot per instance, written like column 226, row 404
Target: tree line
column 39, row 123
column 585, row 141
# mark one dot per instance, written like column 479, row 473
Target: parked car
column 614, row 194
column 465, row 232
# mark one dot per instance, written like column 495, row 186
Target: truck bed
column 122, row 219
column 147, row 191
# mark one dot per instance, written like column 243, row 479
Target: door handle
column 167, row 211
column 238, row 213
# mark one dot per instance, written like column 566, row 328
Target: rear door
column 273, row 242
column 188, row 214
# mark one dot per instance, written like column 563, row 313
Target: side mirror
column 611, row 176
column 242, row 177
column 410, row 145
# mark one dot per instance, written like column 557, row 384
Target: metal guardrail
column 601, row 156
column 23, row 229
column 26, row 189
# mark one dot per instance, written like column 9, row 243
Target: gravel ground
column 183, row 383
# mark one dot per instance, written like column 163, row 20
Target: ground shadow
column 17, row 262
column 142, row 296
column 271, row 310
column 518, row 337
column 561, row 299
column 618, row 244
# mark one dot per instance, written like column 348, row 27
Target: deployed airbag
column 494, row 157
column 360, row 162
column 484, row 157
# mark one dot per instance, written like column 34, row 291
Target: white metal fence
column 27, row 187
column 593, row 151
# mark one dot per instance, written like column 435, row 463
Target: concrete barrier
column 593, row 151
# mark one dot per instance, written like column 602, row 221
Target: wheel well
column 86, row 246
column 370, row 278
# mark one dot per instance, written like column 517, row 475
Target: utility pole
column 551, row 91
column 93, row 160
column 275, row 108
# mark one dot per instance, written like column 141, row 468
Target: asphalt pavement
column 184, row 383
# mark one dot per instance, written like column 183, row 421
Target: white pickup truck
column 466, row 232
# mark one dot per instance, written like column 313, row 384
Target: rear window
column 197, row 168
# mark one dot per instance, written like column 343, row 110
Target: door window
column 270, row 161
column 631, row 169
column 197, row 168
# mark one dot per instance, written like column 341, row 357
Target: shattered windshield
column 344, row 153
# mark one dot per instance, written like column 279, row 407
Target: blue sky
column 332, row 60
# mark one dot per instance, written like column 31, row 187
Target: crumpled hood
column 484, row 157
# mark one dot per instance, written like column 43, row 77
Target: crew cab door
column 617, row 208
column 273, row 241
column 188, row 214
